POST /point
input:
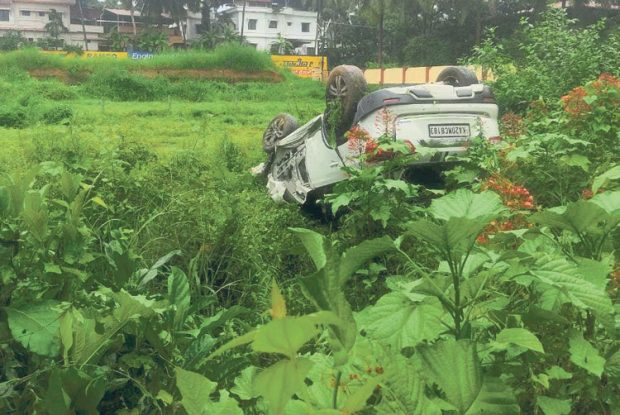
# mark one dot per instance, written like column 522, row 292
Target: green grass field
column 165, row 126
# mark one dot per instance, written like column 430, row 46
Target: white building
column 29, row 17
column 265, row 25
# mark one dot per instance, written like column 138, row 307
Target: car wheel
column 457, row 76
column 346, row 86
column 278, row 128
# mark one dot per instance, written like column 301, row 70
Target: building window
column 252, row 24
column 273, row 24
column 289, row 23
column 253, row 45
column 4, row 15
column 305, row 27
column 25, row 13
column 42, row 14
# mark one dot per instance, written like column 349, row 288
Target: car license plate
column 448, row 130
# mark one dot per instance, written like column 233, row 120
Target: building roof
column 123, row 12
column 90, row 13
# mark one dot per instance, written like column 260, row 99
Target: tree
column 55, row 28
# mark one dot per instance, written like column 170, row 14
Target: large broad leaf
column 73, row 391
column 455, row 368
column 609, row 202
column 579, row 217
column 584, row 355
column 314, row 244
column 399, row 322
column 178, row 296
column 195, row 390
column 453, row 238
column 466, row 204
column 289, row 334
column 354, row 258
column 565, row 277
column 603, row 179
column 89, row 345
column 553, row 406
column 495, row 397
column 404, row 385
column 37, row 326
column 279, row 382
column 520, row 337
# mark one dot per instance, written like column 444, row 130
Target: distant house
column 30, row 17
column 121, row 20
column 267, row 23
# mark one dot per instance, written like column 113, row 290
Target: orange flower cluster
column 512, row 125
column 357, row 139
column 574, row 103
column 516, row 198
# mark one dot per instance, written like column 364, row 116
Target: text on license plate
column 448, row 130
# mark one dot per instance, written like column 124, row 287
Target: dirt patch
column 60, row 74
column 226, row 75
column 213, row 74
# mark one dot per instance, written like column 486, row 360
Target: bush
column 12, row 117
column 122, row 85
column 57, row 114
column 547, row 60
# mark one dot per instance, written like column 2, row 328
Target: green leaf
column 357, row 400
column 289, row 334
column 314, row 244
column 609, row 202
column 584, row 355
column 520, row 337
column 37, row 326
column 565, row 277
column 577, row 160
column 279, row 382
column 354, row 258
column 178, row 296
column 557, row 373
column 603, row 179
column 612, row 366
column 455, row 368
column 195, row 390
column 453, row 238
column 404, row 385
column 466, row 204
column 398, row 321
column 553, row 406
column 244, row 384
column 73, row 391
column 578, row 217
column 495, row 398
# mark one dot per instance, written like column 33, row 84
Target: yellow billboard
column 302, row 65
column 87, row 54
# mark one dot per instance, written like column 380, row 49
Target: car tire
column 279, row 127
column 457, row 76
column 346, row 85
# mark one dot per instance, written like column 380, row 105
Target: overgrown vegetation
column 144, row 270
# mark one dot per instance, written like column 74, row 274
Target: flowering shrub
column 516, row 198
column 604, row 92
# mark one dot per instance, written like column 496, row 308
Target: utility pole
column 242, row 21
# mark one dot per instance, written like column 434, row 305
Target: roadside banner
column 140, row 54
column 88, row 54
column 304, row 66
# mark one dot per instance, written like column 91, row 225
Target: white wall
column 32, row 27
column 289, row 25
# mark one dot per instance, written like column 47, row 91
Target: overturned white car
column 441, row 117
